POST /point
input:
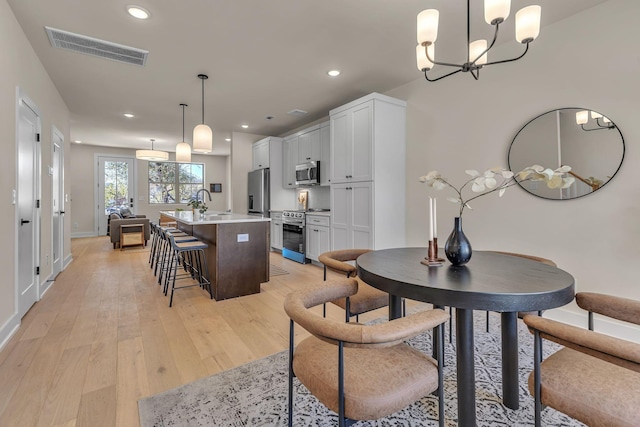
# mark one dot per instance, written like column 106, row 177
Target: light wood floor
column 103, row 336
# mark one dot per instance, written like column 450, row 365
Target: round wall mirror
column 586, row 140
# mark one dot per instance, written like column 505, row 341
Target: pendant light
column 183, row 149
column 202, row 135
column 152, row 154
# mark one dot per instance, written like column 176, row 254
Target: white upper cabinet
column 309, row 146
column 325, row 154
column 261, row 154
column 289, row 161
column 352, row 144
column 368, row 166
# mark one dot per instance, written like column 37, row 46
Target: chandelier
column 152, row 154
column 582, row 118
column 495, row 13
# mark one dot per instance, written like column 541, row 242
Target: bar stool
column 164, row 253
column 190, row 255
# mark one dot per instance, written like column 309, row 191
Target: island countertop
column 187, row 217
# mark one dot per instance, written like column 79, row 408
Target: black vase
column 457, row 248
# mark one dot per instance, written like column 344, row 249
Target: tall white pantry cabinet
column 368, row 139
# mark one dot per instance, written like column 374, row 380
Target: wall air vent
column 95, row 47
column 297, row 113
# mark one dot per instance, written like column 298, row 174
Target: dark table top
column 490, row 281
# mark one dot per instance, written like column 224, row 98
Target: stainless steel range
column 293, row 236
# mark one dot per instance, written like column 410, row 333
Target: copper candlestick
column 432, row 254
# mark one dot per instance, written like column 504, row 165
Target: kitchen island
column 238, row 252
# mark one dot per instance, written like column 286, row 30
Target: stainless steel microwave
column 308, row 173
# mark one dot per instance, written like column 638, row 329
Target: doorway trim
column 96, row 182
column 57, row 140
column 23, row 98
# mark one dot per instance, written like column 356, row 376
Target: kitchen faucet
column 206, row 191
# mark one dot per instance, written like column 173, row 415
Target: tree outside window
column 171, row 182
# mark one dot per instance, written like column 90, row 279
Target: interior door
column 57, row 203
column 27, row 214
column 115, row 188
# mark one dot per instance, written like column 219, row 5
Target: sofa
column 116, row 221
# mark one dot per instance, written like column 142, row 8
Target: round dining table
column 491, row 281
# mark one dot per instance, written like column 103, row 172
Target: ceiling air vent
column 297, row 113
column 95, row 47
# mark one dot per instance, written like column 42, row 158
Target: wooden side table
column 131, row 235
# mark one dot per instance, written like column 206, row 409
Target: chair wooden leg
column 487, row 321
column 591, row 320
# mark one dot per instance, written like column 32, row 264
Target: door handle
column 61, row 212
column 24, row 221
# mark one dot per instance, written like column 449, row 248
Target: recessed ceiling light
column 77, row 141
column 245, row 126
column 128, row 115
column 228, row 139
column 138, row 12
column 333, row 73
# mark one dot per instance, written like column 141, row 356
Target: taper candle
column 435, row 218
column 430, row 218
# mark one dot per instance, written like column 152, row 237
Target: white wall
column 20, row 67
column 83, row 186
column 589, row 60
column 241, row 164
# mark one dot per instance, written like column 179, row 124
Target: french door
column 116, row 188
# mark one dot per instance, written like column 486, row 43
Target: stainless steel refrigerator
column 259, row 192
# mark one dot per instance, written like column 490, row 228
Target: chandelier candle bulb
column 582, row 117
column 428, row 26
column 496, row 11
column 528, row 23
column 475, row 50
column 423, row 61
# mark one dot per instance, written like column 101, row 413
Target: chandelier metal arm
column 447, row 64
column 604, row 126
column 441, row 77
column 512, row 59
column 495, row 37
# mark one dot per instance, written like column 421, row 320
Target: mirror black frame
column 614, row 126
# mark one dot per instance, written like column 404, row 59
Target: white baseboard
column 9, row 329
column 46, row 285
column 67, row 261
column 602, row 324
column 83, row 234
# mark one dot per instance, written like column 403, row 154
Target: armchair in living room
column 116, row 222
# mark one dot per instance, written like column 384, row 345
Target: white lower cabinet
column 318, row 236
column 352, row 215
column 276, row 230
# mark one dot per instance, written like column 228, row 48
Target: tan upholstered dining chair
column 361, row 372
column 368, row 298
column 595, row 378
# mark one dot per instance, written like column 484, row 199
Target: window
column 171, row 182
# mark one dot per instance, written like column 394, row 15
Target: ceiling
column 263, row 58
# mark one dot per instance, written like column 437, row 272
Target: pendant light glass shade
column 152, row 155
column 202, row 134
column 202, row 139
column 183, row 149
column 183, row 152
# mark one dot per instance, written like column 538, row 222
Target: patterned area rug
column 255, row 394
